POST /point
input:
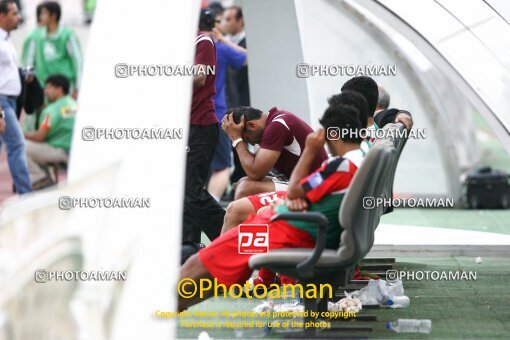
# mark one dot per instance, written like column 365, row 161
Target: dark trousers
column 238, row 169
column 201, row 211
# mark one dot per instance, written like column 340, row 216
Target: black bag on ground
column 488, row 189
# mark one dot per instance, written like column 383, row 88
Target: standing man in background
column 228, row 55
column 237, row 87
column 27, row 43
column 200, row 208
column 10, row 88
column 55, row 49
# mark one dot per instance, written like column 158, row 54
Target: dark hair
column 239, row 12
column 367, row 87
column 207, row 19
column 248, row 112
column 216, row 8
column 355, row 99
column 4, row 6
column 59, row 80
column 38, row 11
column 343, row 116
column 52, row 7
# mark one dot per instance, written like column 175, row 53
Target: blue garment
column 225, row 56
column 223, row 154
column 15, row 146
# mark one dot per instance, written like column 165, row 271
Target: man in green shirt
column 53, row 48
column 26, row 58
column 52, row 141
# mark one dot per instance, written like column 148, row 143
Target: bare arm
column 199, row 79
column 221, row 38
column 256, row 166
column 36, row 136
column 314, row 143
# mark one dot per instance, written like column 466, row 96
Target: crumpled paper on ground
column 378, row 292
column 347, row 304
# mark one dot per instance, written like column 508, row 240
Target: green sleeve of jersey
column 28, row 52
column 74, row 49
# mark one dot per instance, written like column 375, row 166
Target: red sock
column 286, row 280
column 266, row 277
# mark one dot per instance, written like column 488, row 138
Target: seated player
column 281, row 136
column 238, row 210
column 361, row 92
column 52, row 141
column 370, row 90
column 321, row 191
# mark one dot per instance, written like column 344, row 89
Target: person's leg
column 195, row 270
column 246, row 187
column 237, row 212
column 35, row 171
column 192, row 185
column 220, row 167
column 218, row 183
column 201, row 211
column 15, row 146
column 41, row 154
column 222, row 260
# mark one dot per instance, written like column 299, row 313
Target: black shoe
column 189, row 249
column 43, row 183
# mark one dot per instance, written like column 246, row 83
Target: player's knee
column 244, row 189
column 234, row 211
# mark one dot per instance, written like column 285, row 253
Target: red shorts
column 222, row 258
column 266, row 198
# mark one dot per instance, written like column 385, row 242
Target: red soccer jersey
column 287, row 133
column 333, row 177
column 202, row 104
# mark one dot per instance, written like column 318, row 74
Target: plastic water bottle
column 397, row 302
column 410, row 326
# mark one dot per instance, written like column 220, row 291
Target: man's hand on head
column 233, row 130
column 315, row 141
column 404, row 118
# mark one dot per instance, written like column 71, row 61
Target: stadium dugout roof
column 450, row 69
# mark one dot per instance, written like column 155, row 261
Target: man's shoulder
column 278, row 118
column 276, row 113
column 36, row 33
column 288, row 119
column 68, row 31
column 64, row 102
column 347, row 163
column 203, row 37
